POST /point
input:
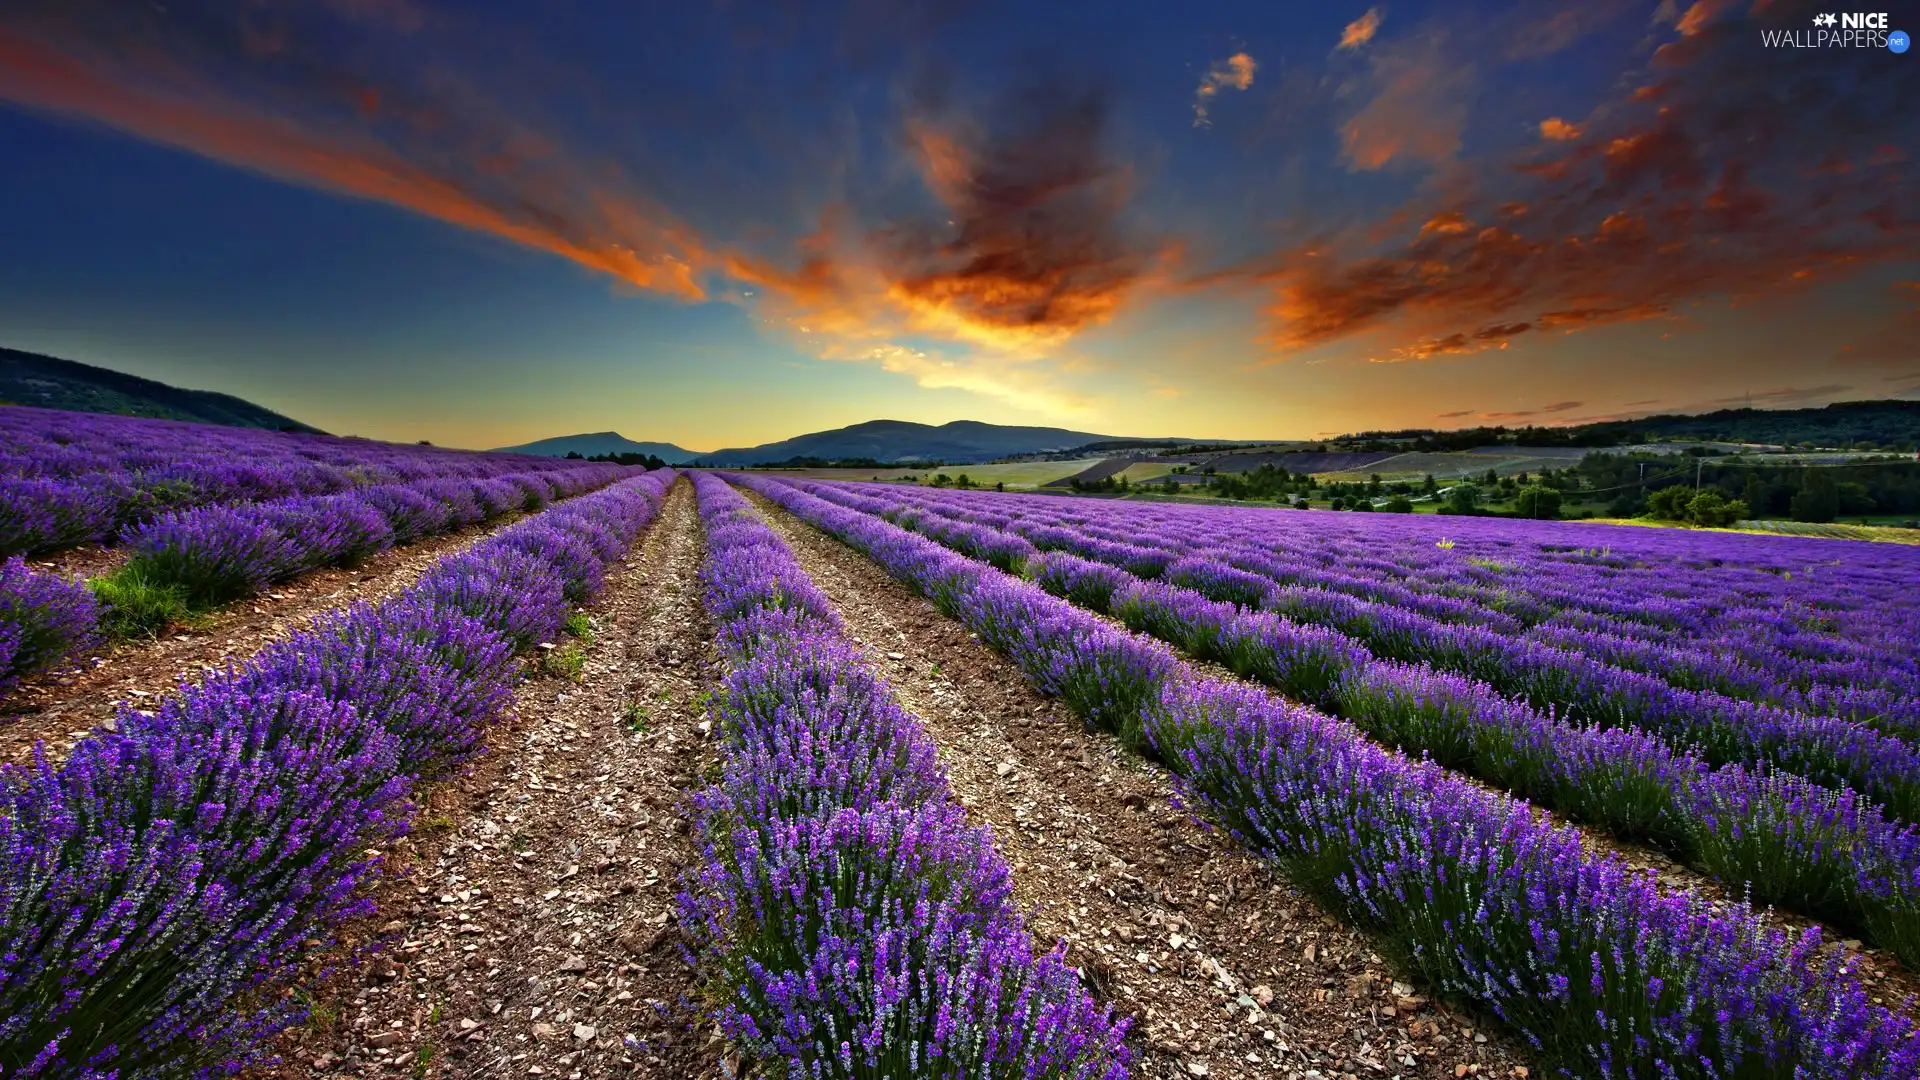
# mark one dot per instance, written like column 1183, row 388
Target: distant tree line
column 1852, row 425
column 1814, row 493
column 651, row 461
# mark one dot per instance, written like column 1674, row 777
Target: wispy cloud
column 1417, row 109
column 1361, row 30
column 1233, row 73
column 258, row 96
column 1692, row 186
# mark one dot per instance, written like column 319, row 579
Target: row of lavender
column 191, row 560
column 852, row 921
column 164, row 884
column 1599, row 967
column 1824, row 852
column 1574, row 685
column 1768, row 621
column 76, row 478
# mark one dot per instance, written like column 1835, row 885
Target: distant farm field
column 1019, row 474
column 1886, row 534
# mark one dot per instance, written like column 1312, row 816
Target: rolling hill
column 900, row 440
column 50, row 383
column 601, row 442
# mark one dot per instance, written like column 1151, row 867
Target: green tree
column 1712, row 509
column 1462, row 499
column 1538, row 501
column 1399, row 504
column 1817, row 500
column 1670, row 503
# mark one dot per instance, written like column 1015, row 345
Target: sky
column 721, row 223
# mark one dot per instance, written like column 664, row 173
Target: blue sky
column 725, row 223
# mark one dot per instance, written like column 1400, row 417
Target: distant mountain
column 49, row 383
column 601, row 442
column 961, row 442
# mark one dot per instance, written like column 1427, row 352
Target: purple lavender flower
column 43, row 620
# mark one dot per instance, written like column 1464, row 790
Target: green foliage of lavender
column 1597, row 966
column 852, row 923
column 166, row 882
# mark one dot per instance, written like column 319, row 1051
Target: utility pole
column 1697, row 470
column 1643, row 480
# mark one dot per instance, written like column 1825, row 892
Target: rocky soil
column 59, row 707
column 527, row 928
column 1228, row 970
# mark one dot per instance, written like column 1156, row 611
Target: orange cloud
column 1361, row 30
column 1687, row 189
column 1025, row 251
column 1235, row 72
column 1417, row 113
column 1701, row 14
column 1555, row 129
column 135, row 86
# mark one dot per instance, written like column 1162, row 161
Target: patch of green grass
column 1493, row 565
column 320, row 1015
column 580, row 625
column 567, row 661
column 437, row 821
column 634, row 716
column 421, row 1060
column 135, row 604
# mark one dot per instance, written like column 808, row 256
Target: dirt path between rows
column 1229, row 971
column 1877, row 969
column 61, row 706
column 527, row 928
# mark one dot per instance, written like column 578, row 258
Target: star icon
column 1824, row 20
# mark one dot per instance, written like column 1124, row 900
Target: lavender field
column 736, row 774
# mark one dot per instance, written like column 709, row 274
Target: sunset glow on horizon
column 727, row 225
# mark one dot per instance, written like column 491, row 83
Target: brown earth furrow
column 526, row 929
column 1229, row 971
column 61, row 706
column 1890, row 982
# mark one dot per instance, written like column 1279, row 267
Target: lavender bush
column 1848, row 864
column 1600, row 968
column 43, row 620
column 166, row 881
column 853, row 923
column 75, row 478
